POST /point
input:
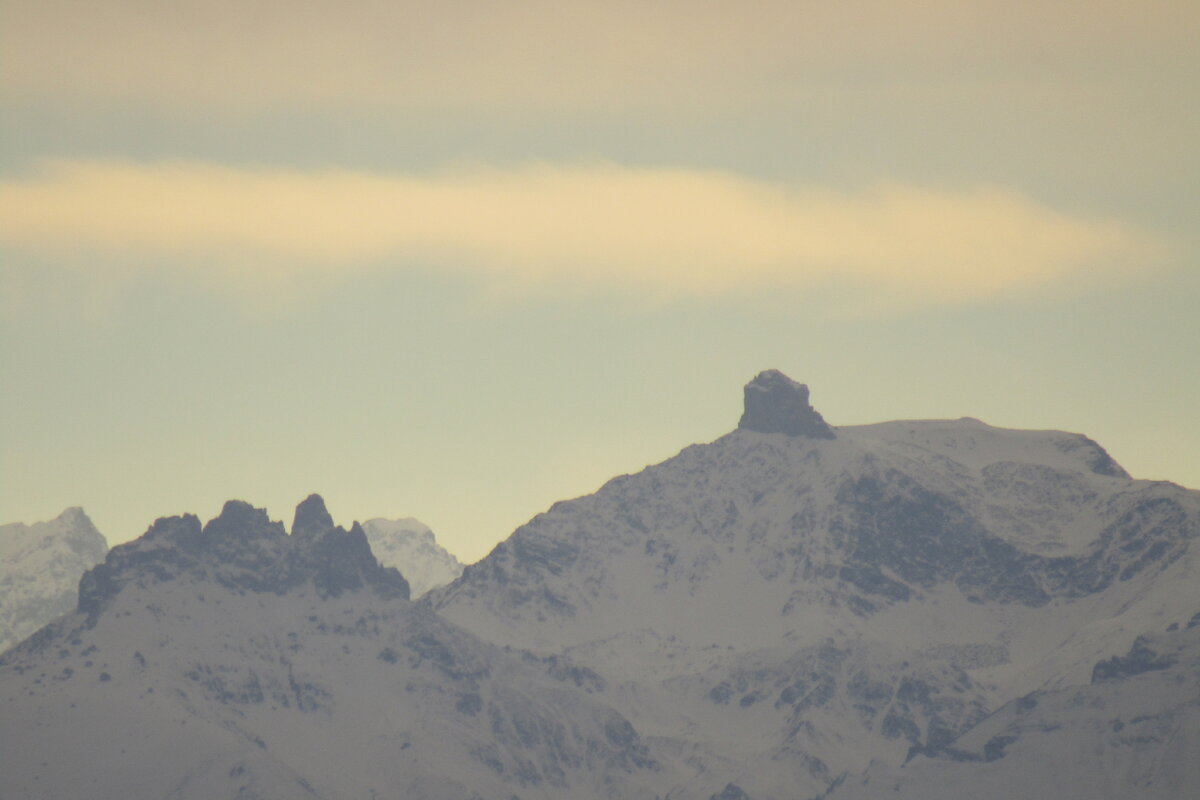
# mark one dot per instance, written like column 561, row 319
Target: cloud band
column 665, row 230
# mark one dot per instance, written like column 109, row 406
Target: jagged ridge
column 243, row 549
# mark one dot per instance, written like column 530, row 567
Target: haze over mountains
column 796, row 610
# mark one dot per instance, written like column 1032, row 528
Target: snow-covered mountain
column 409, row 546
column 40, row 567
column 794, row 602
column 235, row 661
column 924, row 609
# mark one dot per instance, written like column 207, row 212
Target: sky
column 461, row 260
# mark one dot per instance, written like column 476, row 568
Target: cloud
column 549, row 54
column 666, row 232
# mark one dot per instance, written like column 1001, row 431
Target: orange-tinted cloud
column 662, row 231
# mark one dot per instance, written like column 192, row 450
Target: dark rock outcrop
column 243, row 550
column 889, row 523
column 731, row 792
column 774, row 403
column 312, row 518
column 343, row 562
column 1140, row 658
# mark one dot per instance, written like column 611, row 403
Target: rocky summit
column 774, row 403
column 311, row 518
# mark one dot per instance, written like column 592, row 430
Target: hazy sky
column 460, row 260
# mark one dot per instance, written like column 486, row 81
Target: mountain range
column 796, row 610
column 41, row 564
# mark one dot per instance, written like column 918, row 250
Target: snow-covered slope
column 40, row 567
column 235, row 661
column 409, row 546
column 795, row 601
column 1132, row 731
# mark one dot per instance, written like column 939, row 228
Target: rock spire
column 777, row 404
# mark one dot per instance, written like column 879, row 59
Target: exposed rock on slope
column 40, row 566
column 1134, row 732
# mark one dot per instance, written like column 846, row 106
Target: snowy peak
column 71, row 528
column 243, row 550
column 410, row 546
column 813, row 536
column 40, row 565
column 774, row 403
column 792, row 608
column 74, row 517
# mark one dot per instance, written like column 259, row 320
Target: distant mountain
column 40, row 567
column 235, row 661
column 795, row 601
column 409, row 546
